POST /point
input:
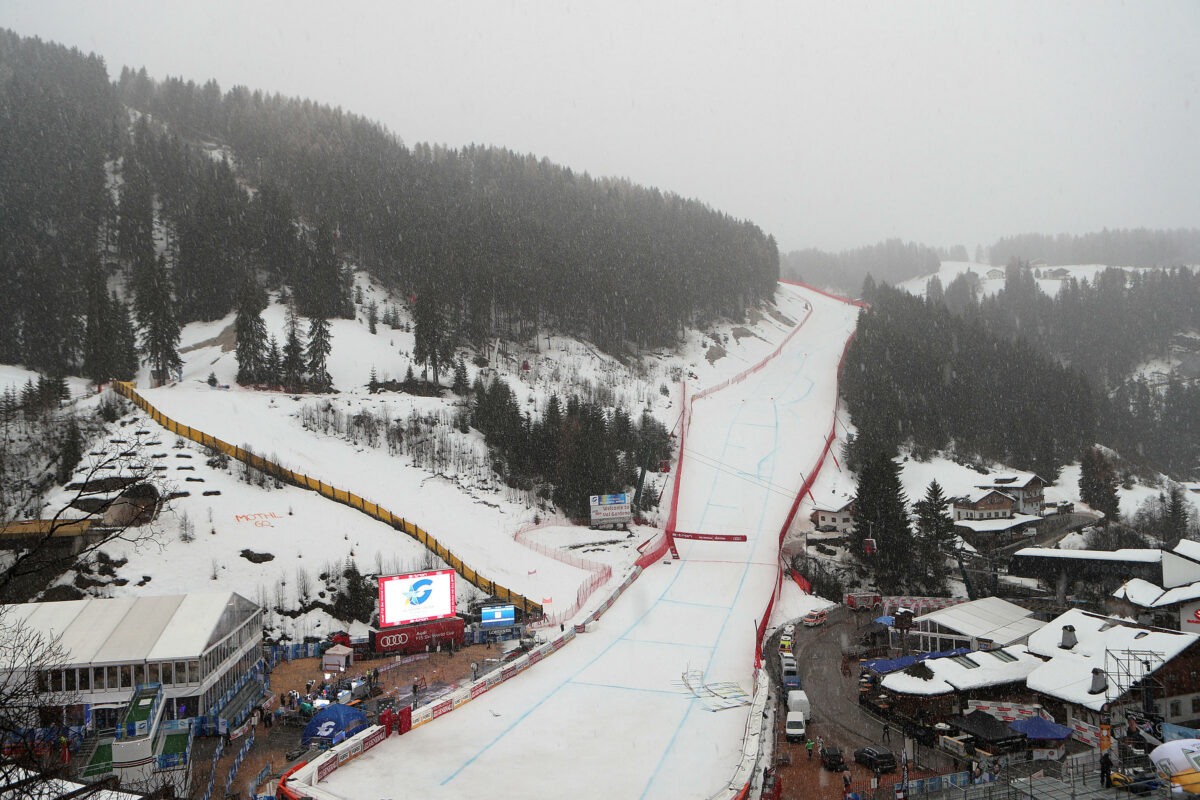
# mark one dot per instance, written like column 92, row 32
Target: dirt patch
column 781, row 318
column 257, row 558
column 227, row 339
column 714, row 353
column 740, row 333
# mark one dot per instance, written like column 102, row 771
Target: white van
column 797, row 700
column 794, row 728
column 787, row 661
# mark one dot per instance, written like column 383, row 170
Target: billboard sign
column 416, row 597
column 1189, row 617
column 611, row 509
column 498, row 616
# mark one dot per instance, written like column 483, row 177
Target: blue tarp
column 332, row 720
column 886, row 620
column 885, row 665
column 1040, row 728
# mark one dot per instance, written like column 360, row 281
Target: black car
column 876, row 758
column 831, row 758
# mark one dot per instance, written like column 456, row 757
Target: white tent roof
column 1144, row 555
column 987, row 618
column 1068, row 673
column 1151, row 595
column 1189, row 548
column 995, row 525
column 974, row 670
column 130, row 630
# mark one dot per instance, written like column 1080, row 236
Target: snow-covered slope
column 991, row 278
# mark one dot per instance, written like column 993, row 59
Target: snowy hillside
column 454, row 494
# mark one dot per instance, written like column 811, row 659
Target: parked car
column 787, row 660
column 791, row 677
column 789, row 630
column 785, row 644
column 814, row 618
column 831, row 758
column 876, row 758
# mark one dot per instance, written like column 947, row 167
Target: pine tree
column 319, row 346
column 880, row 512
column 935, row 535
column 273, row 367
column 372, row 316
column 251, row 331
column 433, row 341
column 292, row 368
column 373, row 383
column 461, row 386
column 70, row 451
column 99, row 340
column 1098, row 484
column 159, row 325
column 1176, row 517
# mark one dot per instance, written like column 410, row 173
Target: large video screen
column 498, row 616
column 416, row 597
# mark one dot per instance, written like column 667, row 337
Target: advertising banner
column 478, row 689
column 508, row 672
column 374, row 738
column 416, row 597
column 327, row 766
column 444, row 707
column 610, row 509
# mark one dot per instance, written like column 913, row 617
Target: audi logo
column 391, row 640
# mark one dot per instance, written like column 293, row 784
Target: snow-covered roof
column 128, row 629
column 1068, row 673
column 1151, row 595
column 1188, row 548
column 1147, row 556
column 1017, row 481
column 987, row 618
column 975, row 495
column 974, row 670
column 995, row 525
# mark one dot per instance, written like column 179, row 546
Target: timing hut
column 197, row 646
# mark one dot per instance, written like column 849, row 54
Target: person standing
column 887, row 733
column 808, row 745
column 1106, row 770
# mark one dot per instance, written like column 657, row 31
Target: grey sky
column 829, row 124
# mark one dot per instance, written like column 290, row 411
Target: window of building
column 168, row 673
column 1003, row 655
column 1176, row 711
column 964, row 661
column 126, row 676
column 180, row 672
column 98, row 679
column 194, row 671
column 114, row 681
column 85, row 679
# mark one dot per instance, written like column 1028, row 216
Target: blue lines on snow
column 666, row 644
column 553, row 692
column 627, row 688
column 690, row 603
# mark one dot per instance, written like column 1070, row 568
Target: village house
column 1027, row 490
column 1173, row 603
column 1096, row 665
column 840, row 519
column 983, row 504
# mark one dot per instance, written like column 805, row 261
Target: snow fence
column 342, row 496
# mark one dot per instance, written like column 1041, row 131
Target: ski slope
column 609, row 715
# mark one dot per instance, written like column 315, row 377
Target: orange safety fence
column 373, row 510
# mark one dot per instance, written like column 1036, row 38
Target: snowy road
column 609, row 716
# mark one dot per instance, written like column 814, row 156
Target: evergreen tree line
column 891, row 261
column 498, row 242
column 917, row 374
column 572, row 452
column 1133, row 247
column 1105, row 328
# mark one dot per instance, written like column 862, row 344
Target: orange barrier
column 373, row 510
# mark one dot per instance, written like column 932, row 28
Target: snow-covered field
column 609, row 716
column 991, row 279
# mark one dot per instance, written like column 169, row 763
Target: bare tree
column 116, row 498
column 34, row 699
